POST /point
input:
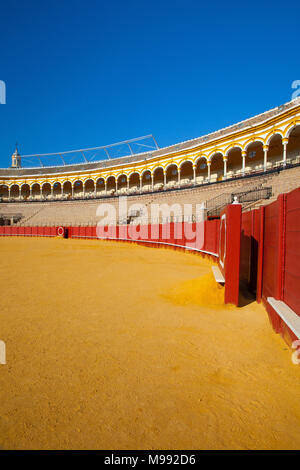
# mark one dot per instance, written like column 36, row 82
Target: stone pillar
column 225, row 167
column 72, row 190
column 284, row 143
column 244, row 153
column 194, row 173
column 141, row 183
column 265, row 147
column 208, row 171
column 152, row 182
column 165, row 179
column 178, row 176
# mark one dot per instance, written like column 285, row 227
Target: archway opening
column 36, row 191
column 134, row 182
column 25, row 191
column 15, row 191
column 275, row 150
column 234, row 162
column 78, row 189
column 158, row 178
column 216, row 167
column 111, row 184
column 4, row 192
column 89, row 188
column 186, row 173
column 293, row 146
column 57, row 189
column 201, row 170
column 254, row 159
column 122, row 183
column 100, row 186
column 46, row 190
column 172, row 175
column 146, row 181
column 67, row 189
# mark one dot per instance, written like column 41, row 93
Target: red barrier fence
column 259, row 250
column 270, row 261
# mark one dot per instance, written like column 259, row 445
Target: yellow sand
column 118, row 346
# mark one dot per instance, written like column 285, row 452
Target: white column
column 194, row 173
column 61, row 189
column 208, row 171
column 127, row 185
column 244, row 153
column 72, row 190
column 30, row 191
column 51, row 190
column 105, row 186
column 8, row 192
column 284, row 143
column 152, row 182
column 95, row 188
column 141, row 183
column 178, row 177
column 266, row 147
column 225, row 167
column 165, row 179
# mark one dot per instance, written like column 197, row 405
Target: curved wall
column 257, row 144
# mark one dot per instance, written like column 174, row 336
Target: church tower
column 16, row 159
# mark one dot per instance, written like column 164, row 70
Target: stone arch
column 78, row 188
column 293, row 146
column 25, row 190
column 172, row 174
column 122, row 183
column 100, row 185
column 36, row 190
column 111, row 184
column 275, row 150
column 4, row 191
column 56, row 188
column 186, row 172
column 216, row 166
column 201, row 169
column 146, row 180
column 67, row 189
column 134, row 181
column 158, row 177
column 15, row 191
column 234, row 160
column 254, row 155
column 89, row 187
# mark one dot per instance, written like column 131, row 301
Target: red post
column 260, row 260
column 232, row 220
column 280, row 245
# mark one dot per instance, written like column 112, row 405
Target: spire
column 16, row 158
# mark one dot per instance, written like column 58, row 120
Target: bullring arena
column 155, row 329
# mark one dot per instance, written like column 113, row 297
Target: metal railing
column 242, row 197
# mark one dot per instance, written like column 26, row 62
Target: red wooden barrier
column 229, row 251
column 291, row 268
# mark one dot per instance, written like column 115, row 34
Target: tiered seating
column 83, row 212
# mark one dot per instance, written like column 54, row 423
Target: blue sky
column 89, row 73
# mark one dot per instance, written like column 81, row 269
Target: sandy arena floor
column 118, row 346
